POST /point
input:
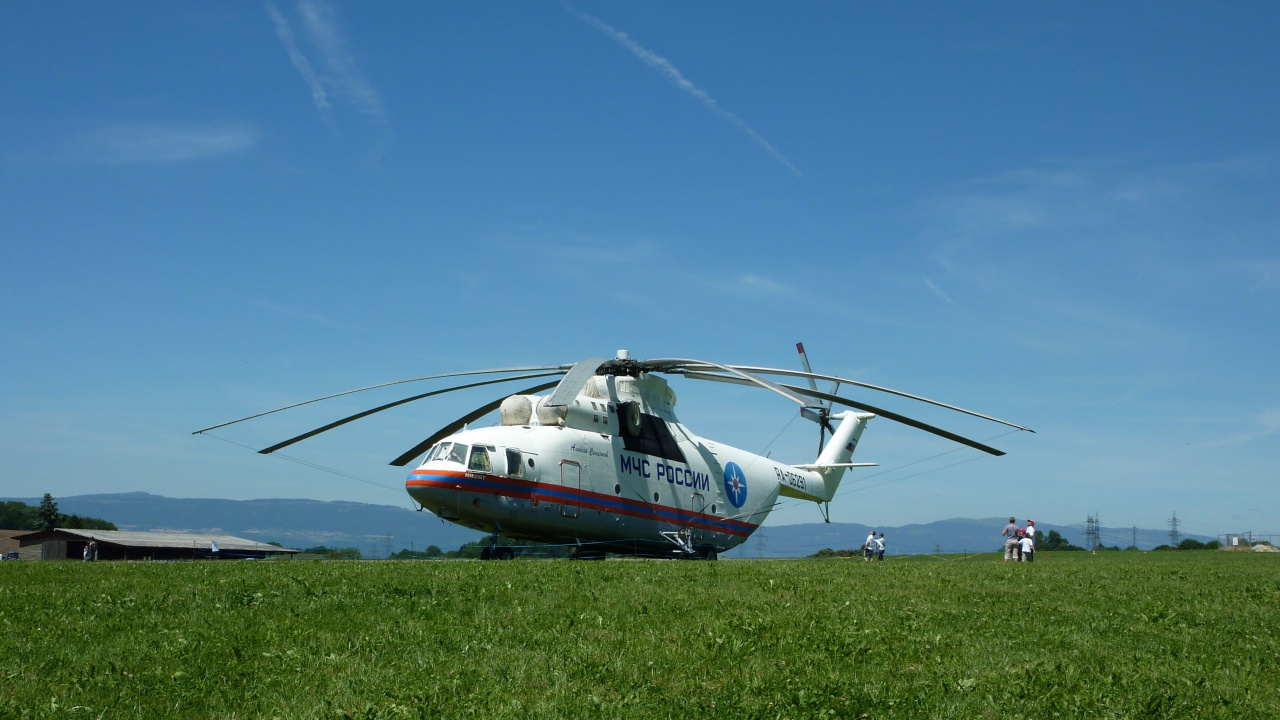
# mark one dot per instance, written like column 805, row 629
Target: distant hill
column 292, row 523
column 306, row 523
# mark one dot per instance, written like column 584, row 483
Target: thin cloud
column 322, row 28
column 290, row 312
column 137, row 143
column 318, row 95
column 1262, row 274
column 929, row 283
column 1264, row 424
column 757, row 284
column 341, row 79
column 665, row 67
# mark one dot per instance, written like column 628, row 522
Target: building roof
column 127, row 538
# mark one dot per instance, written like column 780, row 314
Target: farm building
column 8, row 543
column 65, row 544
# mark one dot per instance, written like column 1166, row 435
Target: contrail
column 318, row 96
column 322, row 27
column 663, row 66
column 339, row 79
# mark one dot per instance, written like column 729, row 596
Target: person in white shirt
column 869, row 546
column 880, row 548
column 1028, row 547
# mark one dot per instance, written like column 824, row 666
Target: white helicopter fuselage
column 614, row 471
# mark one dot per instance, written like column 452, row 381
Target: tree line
column 46, row 516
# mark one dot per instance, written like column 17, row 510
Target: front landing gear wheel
column 486, row 553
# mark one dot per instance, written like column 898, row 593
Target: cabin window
column 514, row 468
column 457, row 453
column 479, row 459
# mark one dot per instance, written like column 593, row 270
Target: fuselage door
column 571, row 479
column 698, row 505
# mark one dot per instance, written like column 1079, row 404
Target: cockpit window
column 457, row 453
column 479, row 459
column 514, row 468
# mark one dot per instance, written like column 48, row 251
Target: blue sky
column 1060, row 214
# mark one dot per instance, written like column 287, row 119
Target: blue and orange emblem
column 735, row 484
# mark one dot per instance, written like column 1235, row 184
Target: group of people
column 1019, row 543
column 91, row 550
column 873, row 548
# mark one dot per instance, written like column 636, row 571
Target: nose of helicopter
column 432, row 490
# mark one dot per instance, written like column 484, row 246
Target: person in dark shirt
column 1010, row 534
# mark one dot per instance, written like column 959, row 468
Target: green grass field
column 1159, row 635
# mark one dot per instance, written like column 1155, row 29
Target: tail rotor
column 820, row 414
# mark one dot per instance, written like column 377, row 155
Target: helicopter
column 603, row 465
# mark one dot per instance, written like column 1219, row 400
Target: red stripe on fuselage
column 526, row 490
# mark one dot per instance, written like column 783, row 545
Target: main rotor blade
column 571, row 384
column 456, row 425
column 676, row 364
column 530, row 368
column 380, row 408
column 817, row 394
column 833, row 378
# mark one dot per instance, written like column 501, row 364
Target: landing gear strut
column 494, row 552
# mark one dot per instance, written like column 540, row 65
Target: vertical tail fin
column 838, row 452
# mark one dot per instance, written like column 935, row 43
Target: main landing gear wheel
column 486, row 553
column 505, row 553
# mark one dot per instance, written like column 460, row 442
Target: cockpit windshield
column 448, row 451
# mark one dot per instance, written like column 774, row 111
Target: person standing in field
column 1027, row 547
column 880, row 548
column 1010, row 534
column 869, row 546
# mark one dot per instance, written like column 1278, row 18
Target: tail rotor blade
column 457, row 425
column 804, row 360
column 824, row 424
